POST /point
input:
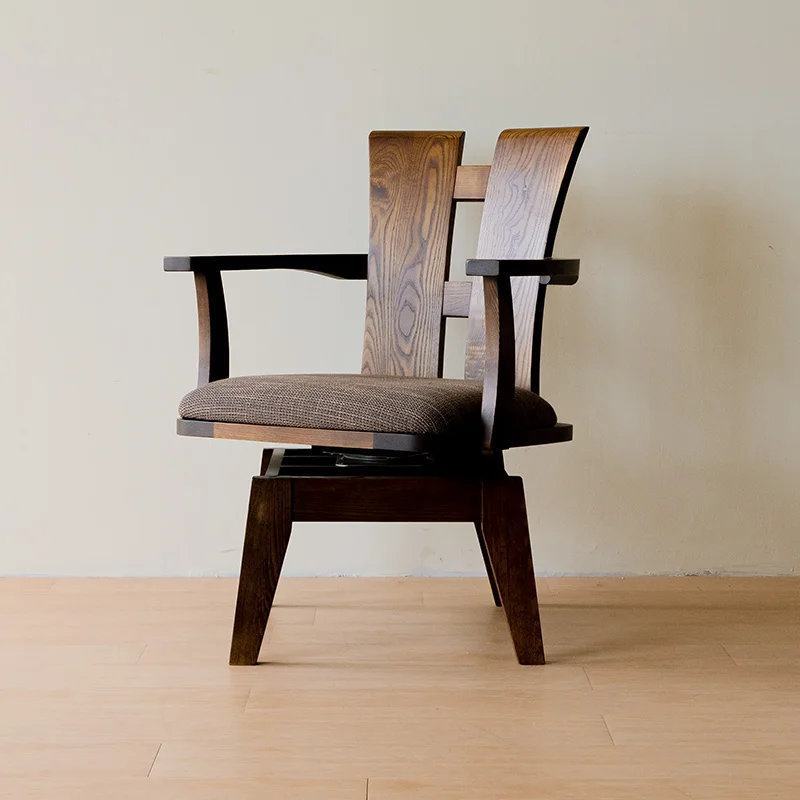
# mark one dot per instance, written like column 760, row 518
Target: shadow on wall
column 677, row 357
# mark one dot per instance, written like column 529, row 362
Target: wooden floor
column 656, row 688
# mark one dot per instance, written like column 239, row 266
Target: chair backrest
column 412, row 181
column 416, row 179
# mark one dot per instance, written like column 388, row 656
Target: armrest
column 549, row 270
column 212, row 315
column 348, row 266
column 499, row 373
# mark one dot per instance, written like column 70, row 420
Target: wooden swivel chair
column 398, row 442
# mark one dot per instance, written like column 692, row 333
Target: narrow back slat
column 471, row 182
column 528, row 181
column 456, row 298
column 412, row 183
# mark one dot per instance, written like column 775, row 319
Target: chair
column 399, row 442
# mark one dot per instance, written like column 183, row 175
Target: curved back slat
column 528, row 182
column 412, row 182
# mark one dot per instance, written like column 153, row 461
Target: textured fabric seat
column 433, row 406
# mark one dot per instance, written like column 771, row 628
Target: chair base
column 318, row 486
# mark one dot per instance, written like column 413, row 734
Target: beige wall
column 131, row 131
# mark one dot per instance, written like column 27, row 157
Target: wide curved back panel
column 412, row 182
column 528, row 181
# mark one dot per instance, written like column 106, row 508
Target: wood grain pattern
column 504, row 523
column 212, row 328
column 525, row 194
column 471, row 183
column 269, row 525
column 412, row 180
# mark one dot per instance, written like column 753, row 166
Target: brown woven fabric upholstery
column 434, row 406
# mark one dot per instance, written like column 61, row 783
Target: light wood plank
column 124, row 759
column 657, row 687
column 309, row 788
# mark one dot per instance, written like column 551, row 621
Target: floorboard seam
column 588, row 679
column 728, row 654
column 608, row 730
column 154, row 759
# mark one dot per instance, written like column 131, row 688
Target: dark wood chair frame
column 425, row 480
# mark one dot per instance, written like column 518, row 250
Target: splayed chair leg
column 269, row 524
column 505, row 529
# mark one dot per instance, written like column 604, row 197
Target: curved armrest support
column 213, row 362
column 212, row 315
column 347, row 266
column 498, row 374
column 562, row 271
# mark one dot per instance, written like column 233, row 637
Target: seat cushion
column 432, row 406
